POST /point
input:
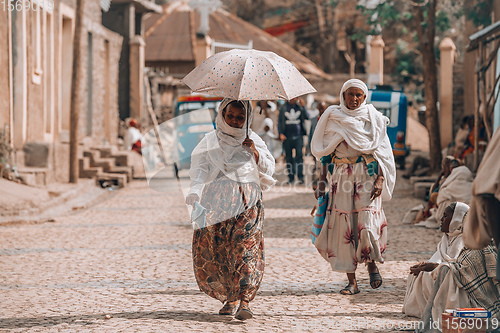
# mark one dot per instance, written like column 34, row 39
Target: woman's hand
column 428, row 266
column 416, row 269
column 377, row 187
column 320, row 190
column 249, row 145
column 423, row 267
column 192, row 198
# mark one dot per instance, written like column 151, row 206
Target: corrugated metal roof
column 169, row 36
column 170, row 40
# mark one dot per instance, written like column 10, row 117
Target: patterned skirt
column 228, row 255
column 355, row 228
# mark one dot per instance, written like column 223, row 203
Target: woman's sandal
column 228, row 309
column 349, row 290
column 375, row 277
column 243, row 313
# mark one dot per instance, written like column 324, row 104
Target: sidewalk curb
column 78, row 198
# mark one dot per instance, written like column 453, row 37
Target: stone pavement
column 124, row 265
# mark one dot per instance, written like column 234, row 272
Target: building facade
column 36, row 64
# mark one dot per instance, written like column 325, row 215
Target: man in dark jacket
column 291, row 129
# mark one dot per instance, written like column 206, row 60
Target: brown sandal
column 243, row 313
column 228, row 309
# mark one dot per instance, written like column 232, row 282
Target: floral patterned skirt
column 228, row 255
column 355, row 228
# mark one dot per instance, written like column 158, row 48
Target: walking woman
column 351, row 141
column 228, row 172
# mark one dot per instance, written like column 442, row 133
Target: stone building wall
column 45, row 83
column 4, row 70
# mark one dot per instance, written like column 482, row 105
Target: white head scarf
column 226, row 153
column 353, row 83
column 452, row 243
column 364, row 129
column 226, row 133
column 458, row 217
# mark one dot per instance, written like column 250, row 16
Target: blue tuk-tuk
column 392, row 102
column 194, row 116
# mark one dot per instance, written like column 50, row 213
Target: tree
column 425, row 25
column 427, row 20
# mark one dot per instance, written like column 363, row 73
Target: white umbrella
column 248, row 75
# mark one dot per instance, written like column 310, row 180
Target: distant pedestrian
column 228, row 171
column 133, row 136
column 292, row 116
column 351, row 138
column 269, row 137
column 321, row 106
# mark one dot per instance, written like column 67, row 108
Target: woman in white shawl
column 420, row 281
column 352, row 139
column 467, row 282
column 228, row 171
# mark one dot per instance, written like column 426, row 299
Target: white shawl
column 419, row 288
column 456, row 187
column 364, row 129
column 452, row 243
column 221, row 151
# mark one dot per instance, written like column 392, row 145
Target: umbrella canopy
column 248, row 75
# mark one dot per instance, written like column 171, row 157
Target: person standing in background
column 321, row 106
column 133, row 137
column 292, row 116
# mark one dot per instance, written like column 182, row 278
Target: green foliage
column 384, row 14
column 408, row 67
column 442, row 21
column 479, row 13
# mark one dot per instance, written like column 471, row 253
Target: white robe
column 418, row 288
column 220, row 151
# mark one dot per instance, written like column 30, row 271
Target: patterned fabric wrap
column 228, row 255
column 475, row 271
column 355, row 228
column 319, row 217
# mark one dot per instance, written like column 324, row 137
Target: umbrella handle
column 247, row 123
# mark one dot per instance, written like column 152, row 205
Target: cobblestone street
column 124, row 264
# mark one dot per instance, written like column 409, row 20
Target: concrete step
column 421, row 189
column 86, row 171
column 105, row 163
column 121, row 157
column 125, row 170
column 97, row 161
column 37, row 177
column 416, row 179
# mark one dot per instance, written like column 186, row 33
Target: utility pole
column 75, row 98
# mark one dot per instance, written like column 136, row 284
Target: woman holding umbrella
column 230, row 168
column 352, row 139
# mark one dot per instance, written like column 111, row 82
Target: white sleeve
column 266, row 160
column 200, row 169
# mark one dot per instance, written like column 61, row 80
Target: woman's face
column 446, row 219
column 234, row 116
column 354, row 97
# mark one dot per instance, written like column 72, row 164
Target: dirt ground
column 124, row 264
